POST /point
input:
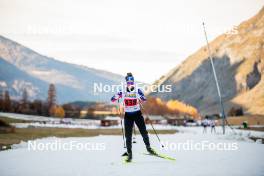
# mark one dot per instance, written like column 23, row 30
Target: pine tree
column 38, row 107
column 1, row 100
column 24, row 102
column 25, row 97
column 51, row 98
column 7, row 102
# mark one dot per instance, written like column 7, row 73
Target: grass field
column 11, row 120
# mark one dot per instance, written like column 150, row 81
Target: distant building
column 72, row 113
column 155, row 119
column 176, row 120
column 110, row 121
column 85, row 113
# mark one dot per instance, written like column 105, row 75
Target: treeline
column 156, row 106
column 49, row 107
column 37, row 107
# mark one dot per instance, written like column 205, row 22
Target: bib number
column 130, row 102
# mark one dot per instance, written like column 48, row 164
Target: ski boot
column 151, row 151
column 129, row 157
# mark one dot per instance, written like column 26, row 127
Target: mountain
column 239, row 64
column 23, row 68
column 17, row 80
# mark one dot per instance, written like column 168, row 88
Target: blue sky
column 146, row 37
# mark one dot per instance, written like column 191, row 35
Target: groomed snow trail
column 246, row 160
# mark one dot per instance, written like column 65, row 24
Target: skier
column 212, row 124
column 205, row 124
column 131, row 97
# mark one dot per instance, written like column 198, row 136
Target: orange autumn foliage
column 176, row 105
column 57, row 111
column 156, row 106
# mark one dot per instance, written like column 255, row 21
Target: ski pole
column 123, row 134
column 152, row 126
column 134, row 137
column 156, row 133
column 216, row 81
column 121, row 124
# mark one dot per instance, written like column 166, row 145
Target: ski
column 126, row 161
column 161, row 156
